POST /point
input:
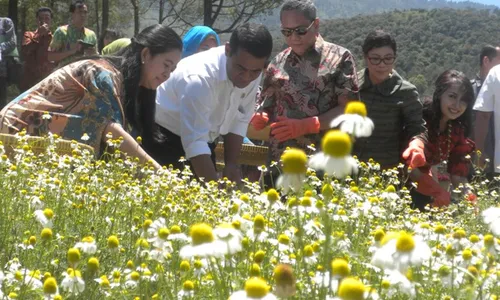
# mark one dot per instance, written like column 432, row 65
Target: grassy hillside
column 429, row 42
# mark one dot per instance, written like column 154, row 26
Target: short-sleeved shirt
column 307, row 86
column 82, row 97
column 488, row 101
column 66, row 35
column 453, row 148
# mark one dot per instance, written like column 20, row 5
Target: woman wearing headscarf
column 198, row 39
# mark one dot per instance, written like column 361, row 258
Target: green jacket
column 396, row 110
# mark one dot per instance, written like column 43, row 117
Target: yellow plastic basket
column 251, row 155
column 39, row 144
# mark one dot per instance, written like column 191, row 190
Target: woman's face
column 451, row 105
column 208, row 43
column 156, row 69
column 380, row 62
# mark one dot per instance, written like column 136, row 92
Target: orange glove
column 428, row 186
column 259, row 120
column 286, row 129
column 414, row 154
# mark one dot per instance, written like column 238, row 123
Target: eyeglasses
column 301, row 30
column 377, row 60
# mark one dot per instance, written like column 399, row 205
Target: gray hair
column 305, row 7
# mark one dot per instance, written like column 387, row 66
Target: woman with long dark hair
column 91, row 97
column 448, row 121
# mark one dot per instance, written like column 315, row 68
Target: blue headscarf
column 194, row 37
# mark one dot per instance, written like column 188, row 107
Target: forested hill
column 329, row 9
column 429, row 42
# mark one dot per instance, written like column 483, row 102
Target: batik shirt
column 301, row 87
column 81, row 98
column 66, row 35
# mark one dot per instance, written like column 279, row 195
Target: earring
column 142, row 62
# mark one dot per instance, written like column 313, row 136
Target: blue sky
column 494, row 2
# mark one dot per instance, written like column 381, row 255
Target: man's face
column 44, row 18
column 488, row 64
column 80, row 15
column 300, row 33
column 242, row 67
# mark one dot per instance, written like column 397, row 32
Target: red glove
column 286, row 129
column 428, row 186
column 259, row 120
column 414, row 154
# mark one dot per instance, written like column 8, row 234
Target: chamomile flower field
column 73, row 227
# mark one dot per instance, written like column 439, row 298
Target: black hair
column 253, row 38
column 44, row 9
column 432, row 109
column 76, row 4
column 306, row 8
column 113, row 33
column 378, row 39
column 488, row 51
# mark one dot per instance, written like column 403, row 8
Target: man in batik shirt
column 67, row 41
column 306, row 85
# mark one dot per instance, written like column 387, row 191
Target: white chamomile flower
column 294, row 170
column 255, row 289
column 87, row 245
column 336, row 159
column 44, row 217
column 73, row 282
column 491, row 217
column 203, row 243
column 354, row 121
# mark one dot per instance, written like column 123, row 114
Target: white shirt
column 488, row 100
column 199, row 102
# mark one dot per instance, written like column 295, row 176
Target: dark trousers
column 170, row 150
column 3, row 92
column 418, row 200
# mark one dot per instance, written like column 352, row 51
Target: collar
column 73, row 27
column 387, row 88
column 317, row 49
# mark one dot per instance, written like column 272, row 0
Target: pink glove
column 259, row 120
column 414, row 154
column 428, row 186
column 286, row 129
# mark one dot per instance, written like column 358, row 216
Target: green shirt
column 66, row 35
column 115, row 46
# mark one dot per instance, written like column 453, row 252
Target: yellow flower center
column 259, row 222
column 93, row 264
column 308, row 251
column 73, row 255
column 48, row 213
column 201, row 234
column 259, row 256
column 283, row 239
column 440, row 229
column 188, row 285
column 444, row 271
column 390, row 189
column 467, row 254
column 306, row 201
column 474, row 239
column 175, row 229
column 405, row 242
column 272, row 195
column 489, row 240
column 113, row 242
column 198, row 264
column 379, row 235
column 50, row 286
column 459, row 234
column 163, row 233
column 352, row 289
column 255, row 270
column 336, row 143
column 340, row 267
column 294, row 161
column 185, row 266
column 327, row 191
column 135, row 276
column 88, row 239
column 283, row 275
column 256, row 288
column 356, row 108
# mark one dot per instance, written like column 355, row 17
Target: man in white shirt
column 488, row 104
column 212, row 94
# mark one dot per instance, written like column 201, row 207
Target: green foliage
column 429, row 42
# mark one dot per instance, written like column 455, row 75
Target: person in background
column 67, row 40
column 198, row 39
column 392, row 103
column 8, row 57
column 212, row 94
column 448, row 122
column 489, row 57
column 35, row 49
column 88, row 98
column 111, row 35
column 306, row 85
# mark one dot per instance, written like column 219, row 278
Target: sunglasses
column 301, row 30
column 378, row 60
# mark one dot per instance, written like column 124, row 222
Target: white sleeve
column 245, row 112
column 195, row 108
column 485, row 100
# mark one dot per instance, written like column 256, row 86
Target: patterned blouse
column 82, row 97
column 437, row 150
column 307, row 86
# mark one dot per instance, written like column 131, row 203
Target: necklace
column 442, row 167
